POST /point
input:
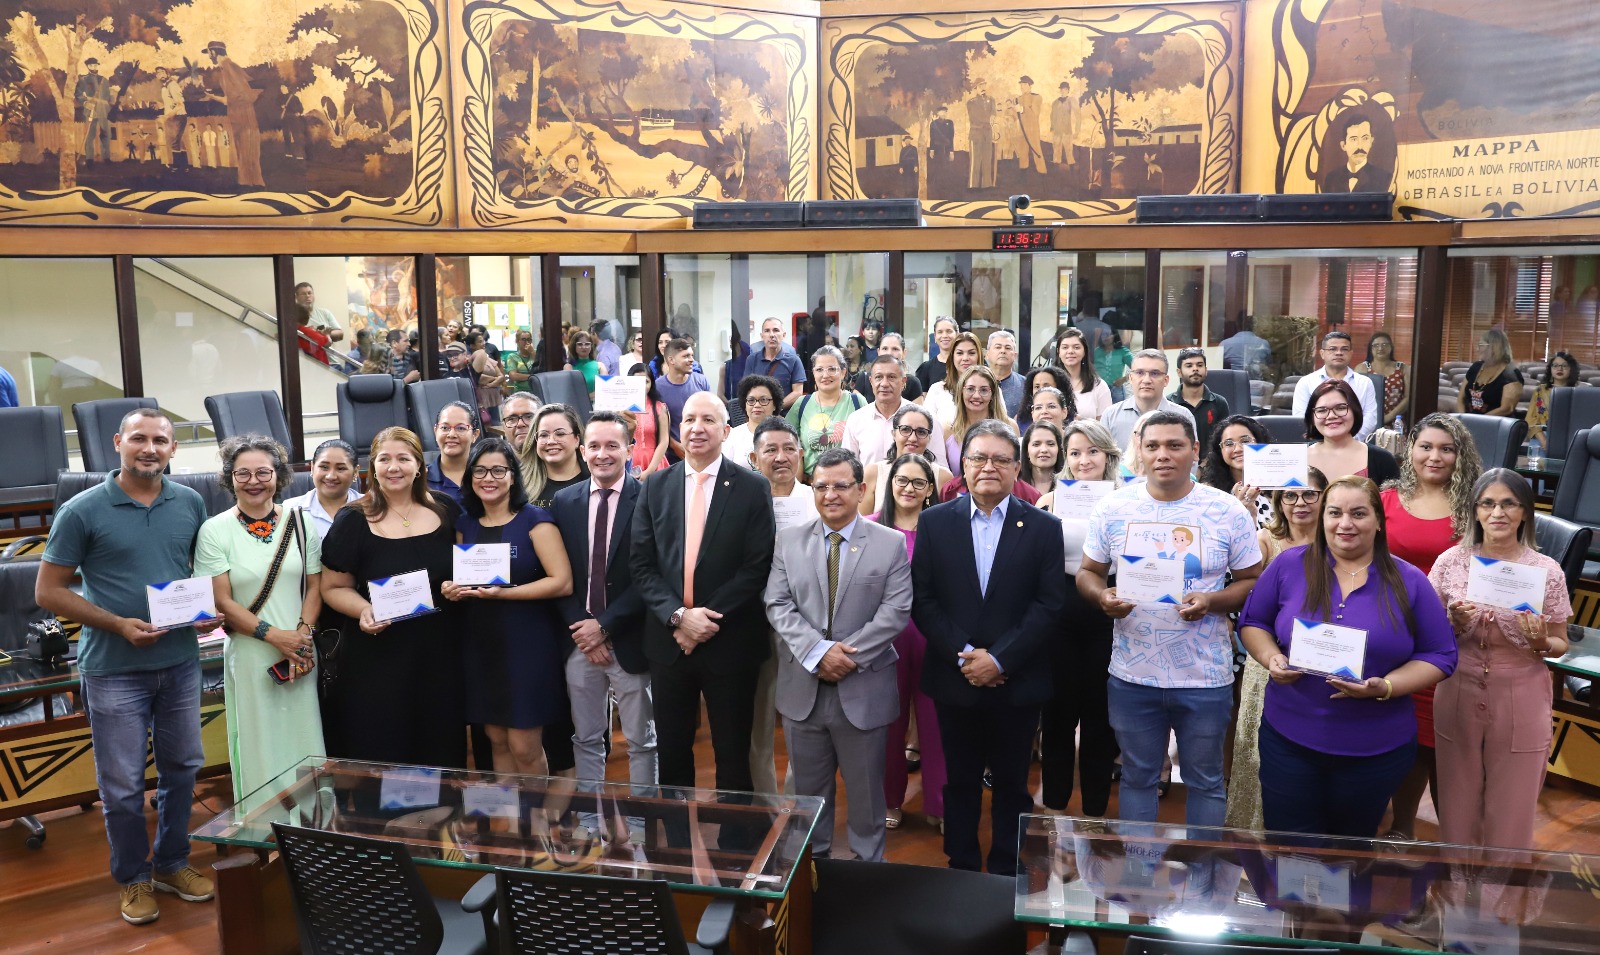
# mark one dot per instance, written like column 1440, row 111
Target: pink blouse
column 1449, row 578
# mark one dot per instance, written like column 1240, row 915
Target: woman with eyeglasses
column 1052, row 405
column 1293, row 524
column 1091, row 392
column 1494, row 714
column 1428, row 510
column 635, row 355
column 980, row 400
column 819, row 416
column 651, row 427
column 1333, row 750
column 554, row 462
column 913, row 488
column 455, row 430
column 943, row 397
column 1333, row 419
column 1076, row 722
column 1043, row 457
column 758, row 396
column 1561, row 371
column 269, row 613
column 913, row 429
column 1223, row 467
column 515, row 658
column 583, row 358
column 1038, row 379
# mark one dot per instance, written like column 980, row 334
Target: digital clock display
column 1024, row 240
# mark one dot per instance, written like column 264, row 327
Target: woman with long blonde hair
column 1493, row 385
column 944, row 397
column 980, row 398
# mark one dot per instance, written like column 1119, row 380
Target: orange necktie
column 695, row 528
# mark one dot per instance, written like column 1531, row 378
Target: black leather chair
column 1233, row 386
column 17, row 610
column 424, row 399
column 97, row 423
column 1570, row 410
column 555, row 912
column 70, row 484
column 1565, row 543
column 915, row 910
column 355, row 894
column 1139, row 945
column 248, row 412
column 36, row 450
column 368, row 404
column 566, row 387
column 1284, row 428
column 1578, row 493
column 1499, row 439
column 1377, row 390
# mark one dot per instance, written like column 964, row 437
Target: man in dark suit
column 941, row 137
column 988, row 592
column 605, row 612
column 701, row 551
column 1357, row 175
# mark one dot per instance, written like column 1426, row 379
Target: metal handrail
column 195, row 427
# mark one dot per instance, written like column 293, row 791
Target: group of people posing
column 849, row 572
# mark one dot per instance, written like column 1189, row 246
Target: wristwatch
column 604, row 633
column 677, row 617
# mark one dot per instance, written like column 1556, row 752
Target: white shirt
column 1371, row 415
column 321, row 520
column 870, row 434
column 713, row 469
column 821, row 647
column 739, row 444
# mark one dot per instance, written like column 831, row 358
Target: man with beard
column 1357, row 175
column 1206, row 405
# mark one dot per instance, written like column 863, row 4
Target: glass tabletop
column 699, row 839
column 1362, row 894
column 1583, row 655
column 25, row 677
column 1540, row 467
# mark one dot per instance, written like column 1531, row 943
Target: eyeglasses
column 1228, row 444
column 1488, row 507
column 1301, row 497
column 262, row 475
column 1146, row 373
column 558, row 435
column 825, row 488
column 916, row 484
column 1331, row 411
column 1038, row 409
column 907, row 431
column 497, row 472
column 455, row 428
column 979, row 392
column 981, row 461
column 758, row 402
column 517, row 418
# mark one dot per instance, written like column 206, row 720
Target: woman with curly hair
column 1428, row 510
column 1223, row 465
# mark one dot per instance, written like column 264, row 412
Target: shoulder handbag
column 291, row 531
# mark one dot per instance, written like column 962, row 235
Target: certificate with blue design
column 1150, row 580
column 1272, row 466
column 482, row 565
column 1326, row 649
column 1077, row 498
column 1505, row 584
column 400, row 597
column 181, row 603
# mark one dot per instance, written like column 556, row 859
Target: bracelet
column 1388, row 689
column 261, row 629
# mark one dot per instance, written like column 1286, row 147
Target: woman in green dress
column 819, row 416
column 271, row 726
column 582, row 350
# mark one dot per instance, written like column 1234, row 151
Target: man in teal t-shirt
column 134, row 530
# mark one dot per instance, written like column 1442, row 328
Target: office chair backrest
column 1565, row 543
column 1499, row 439
column 1578, row 493
column 97, row 423
column 1570, row 410
column 1284, row 428
column 367, row 405
column 248, row 412
column 1233, row 385
column 424, row 399
column 36, row 448
column 552, row 912
column 566, row 387
column 354, row 894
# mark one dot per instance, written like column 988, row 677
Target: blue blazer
column 1016, row 621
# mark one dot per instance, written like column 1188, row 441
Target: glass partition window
column 1546, row 299
column 600, row 294
column 60, row 342
column 207, row 326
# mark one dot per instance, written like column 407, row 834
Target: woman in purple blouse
column 1333, row 751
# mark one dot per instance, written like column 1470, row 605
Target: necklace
column 1354, row 573
column 260, row 528
column 405, row 519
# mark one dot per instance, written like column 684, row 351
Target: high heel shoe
column 892, row 819
column 913, row 759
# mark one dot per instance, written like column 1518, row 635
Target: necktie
column 694, row 530
column 599, row 545
column 834, row 540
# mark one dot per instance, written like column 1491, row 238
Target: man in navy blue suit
column 989, row 587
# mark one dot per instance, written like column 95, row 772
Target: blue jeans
column 131, row 714
column 1143, row 717
column 1303, row 790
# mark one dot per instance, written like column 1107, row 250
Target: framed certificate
column 1077, row 498
column 1273, row 466
column 1150, row 580
column 620, row 392
column 481, row 565
column 1326, row 649
column 181, row 603
column 1505, row 584
column 401, row 596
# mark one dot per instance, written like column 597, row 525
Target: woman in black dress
column 1493, row 385
column 398, row 696
column 515, row 655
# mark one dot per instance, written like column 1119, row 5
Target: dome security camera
column 1016, row 204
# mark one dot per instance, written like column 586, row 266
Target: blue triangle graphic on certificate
column 498, row 582
column 1485, row 561
column 202, row 616
column 381, row 581
column 1293, row 483
column 1131, row 559
column 162, row 586
column 1258, row 447
column 421, row 609
column 1526, row 606
column 1167, row 599
column 1346, row 675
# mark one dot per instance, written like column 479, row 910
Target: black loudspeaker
column 749, row 215
column 1329, row 207
column 864, row 212
column 1230, row 208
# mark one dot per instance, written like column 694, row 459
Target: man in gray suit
column 838, row 595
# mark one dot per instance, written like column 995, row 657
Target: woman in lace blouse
column 1492, row 718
